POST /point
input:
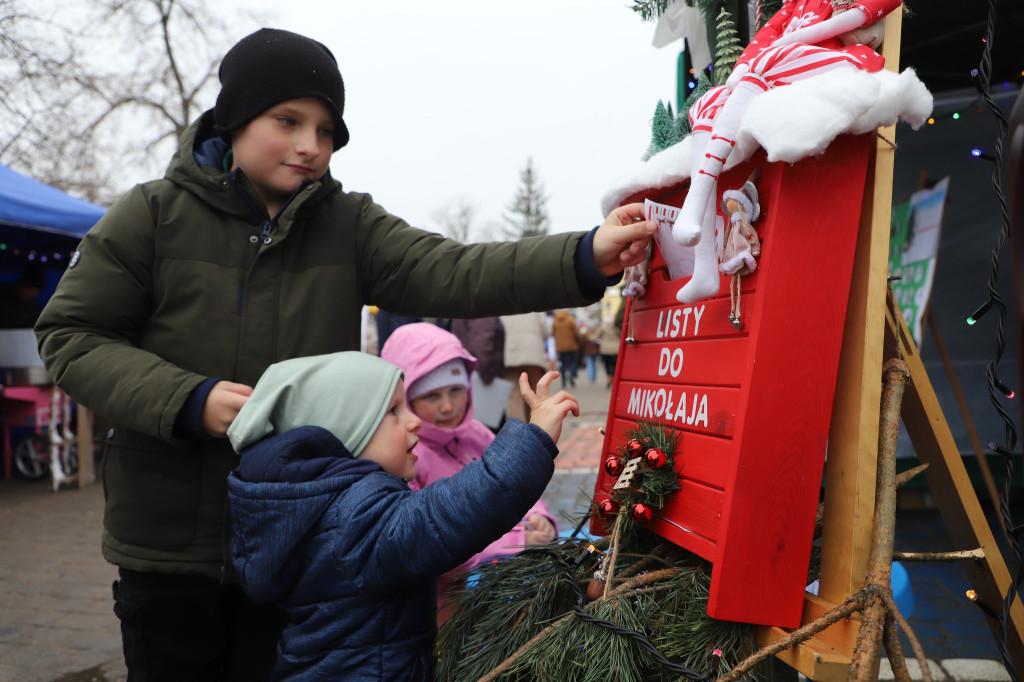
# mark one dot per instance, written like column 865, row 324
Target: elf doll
column 805, row 38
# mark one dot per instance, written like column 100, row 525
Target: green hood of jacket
column 306, row 392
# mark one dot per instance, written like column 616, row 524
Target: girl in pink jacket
column 437, row 369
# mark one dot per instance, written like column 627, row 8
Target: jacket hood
column 277, row 495
column 208, row 180
column 419, row 348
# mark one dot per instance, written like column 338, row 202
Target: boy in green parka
column 247, row 252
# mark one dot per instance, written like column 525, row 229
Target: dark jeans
column 186, row 627
column 609, row 364
column 567, row 367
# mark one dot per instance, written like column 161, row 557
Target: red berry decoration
column 634, row 447
column 640, row 512
column 608, row 508
column 655, row 458
column 613, row 465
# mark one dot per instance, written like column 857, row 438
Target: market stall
column 40, row 226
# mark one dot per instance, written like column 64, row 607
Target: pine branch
column 727, row 47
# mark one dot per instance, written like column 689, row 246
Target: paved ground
column 57, row 624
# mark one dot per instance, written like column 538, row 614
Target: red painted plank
column 691, row 518
column 705, row 409
column 721, row 362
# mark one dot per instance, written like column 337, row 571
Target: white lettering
column 661, row 334
column 699, row 412
column 676, row 367
column 697, row 314
column 659, row 402
column 680, row 414
column 675, row 323
column 648, row 404
column 634, row 402
column 671, row 362
column 686, row 319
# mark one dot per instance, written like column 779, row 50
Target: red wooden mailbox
column 751, row 406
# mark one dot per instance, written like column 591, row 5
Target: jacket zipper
column 267, row 225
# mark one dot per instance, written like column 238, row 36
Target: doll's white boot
column 703, row 183
column 705, row 281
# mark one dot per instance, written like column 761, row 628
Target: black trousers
column 186, row 627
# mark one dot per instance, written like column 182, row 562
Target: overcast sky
column 446, row 100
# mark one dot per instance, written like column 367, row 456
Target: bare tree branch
column 95, row 89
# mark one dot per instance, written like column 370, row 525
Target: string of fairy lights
column 998, row 390
column 43, row 256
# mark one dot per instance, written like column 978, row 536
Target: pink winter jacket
column 417, row 349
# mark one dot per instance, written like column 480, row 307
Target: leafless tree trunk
column 457, row 220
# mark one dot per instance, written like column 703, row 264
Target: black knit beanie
column 271, row 66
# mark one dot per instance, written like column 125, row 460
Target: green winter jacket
column 183, row 280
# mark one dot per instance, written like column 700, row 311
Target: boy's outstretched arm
column 622, row 239
column 548, row 411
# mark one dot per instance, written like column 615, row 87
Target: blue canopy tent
column 39, row 223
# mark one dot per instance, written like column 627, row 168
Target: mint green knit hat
column 346, row 393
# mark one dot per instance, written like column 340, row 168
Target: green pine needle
column 515, row 599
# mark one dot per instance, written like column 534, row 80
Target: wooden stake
column 867, row 655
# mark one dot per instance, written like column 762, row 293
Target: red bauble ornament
column 640, row 512
column 613, row 465
column 634, row 447
column 655, row 458
column 608, row 508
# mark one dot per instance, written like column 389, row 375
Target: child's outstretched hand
column 548, row 411
column 539, row 531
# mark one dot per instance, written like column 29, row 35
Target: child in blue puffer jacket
column 324, row 524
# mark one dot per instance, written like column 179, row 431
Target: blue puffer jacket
column 352, row 554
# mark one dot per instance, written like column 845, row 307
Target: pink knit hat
column 451, row 373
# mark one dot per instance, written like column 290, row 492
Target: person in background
column 247, row 253
column 525, row 337
column 567, row 345
column 589, row 349
column 19, row 308
column 325, row 525
column 387, row 323
column 484, row 338
column 437, row 368
column 609, row 335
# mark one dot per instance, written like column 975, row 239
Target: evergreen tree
column 526, row 215
column 728, row 48
column 663, row 129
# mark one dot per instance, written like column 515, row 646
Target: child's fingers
column 544, row 385
column 566, row 402
column 524, row 388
